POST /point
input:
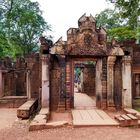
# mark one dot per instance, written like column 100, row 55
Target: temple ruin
column 112, row 77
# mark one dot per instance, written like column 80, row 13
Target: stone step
column 130, row 111
column 40, row 120
column 133, row 112
column 27, row 109
column 12, row 101
column 46, row 112
column 127, row 120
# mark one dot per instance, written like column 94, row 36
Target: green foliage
column 108, row 19
column 138, row 109
column 129, row 9
column 130, row 12
column 121, row 33
column 21, row 24
column 115, row 25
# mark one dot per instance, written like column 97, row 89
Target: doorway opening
column 84, row 84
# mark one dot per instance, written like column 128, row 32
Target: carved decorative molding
column 84, row 50
column 127, row 59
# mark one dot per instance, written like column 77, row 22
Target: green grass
column 138, row 109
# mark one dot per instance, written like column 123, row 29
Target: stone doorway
column 84, row 83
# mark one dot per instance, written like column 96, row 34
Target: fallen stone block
column 40, row 126
column 27, row 109
column 56, row 124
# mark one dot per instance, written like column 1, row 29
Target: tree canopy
column 116, row 26
column 129, row 11
column 21, row 24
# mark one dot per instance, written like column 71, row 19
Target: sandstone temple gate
column 49, row 75
column 113, row 67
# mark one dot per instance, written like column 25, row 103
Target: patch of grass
column 138, row 109
column 133, row 126
column 32, row 116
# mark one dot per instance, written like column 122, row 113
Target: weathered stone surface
column 40, row 126
column 27, row 109
column 48, row 76
column 127, row 82
column 12, row 101
column 127, row 120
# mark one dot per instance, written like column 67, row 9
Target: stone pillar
column 1, row 84
column 45, row 93
column 137, row 84
column 69, row 96
column 126, row 82
column 104, row 83
column 99, row 83
column 28, row 85
column 62, row 94
column 110, row 82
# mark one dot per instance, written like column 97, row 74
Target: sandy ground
column 7, row 117
column 18, row 130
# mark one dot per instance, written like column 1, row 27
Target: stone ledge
column 133, row 112
column 14, row 97
column 40, row 126
column 12, row 101
column 27, row 109
column 40, row 120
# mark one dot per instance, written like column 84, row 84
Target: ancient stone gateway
column 112, row 69
column 113, row 77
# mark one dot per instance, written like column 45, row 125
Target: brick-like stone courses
column 8, row 80
column 33, row 65
column 69, row 97
column 89, row 80
column 55, row 85
column 9, row 84
column 104, row 84
column 135, row 74
column 21, row 83
column 118, row 84
column 14, row 75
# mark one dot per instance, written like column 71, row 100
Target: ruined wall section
column 20, row 76
column 89, row 79
column 8, row 77
column 55, row 84
column 104, row 83
column 118, row 83
column 33, row 65
column 14, row 75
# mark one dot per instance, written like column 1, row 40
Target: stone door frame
column 70, row 78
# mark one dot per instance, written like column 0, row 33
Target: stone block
column 40, row 126
column 27, row 109
column 127, row 120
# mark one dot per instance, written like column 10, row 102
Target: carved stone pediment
column 86, row 44
column 59, row 47
column 84, row 40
